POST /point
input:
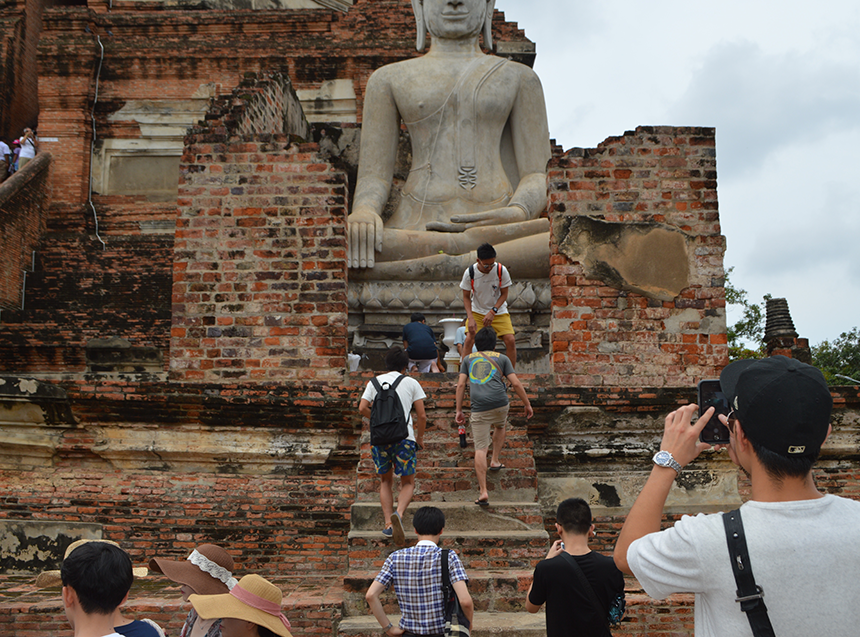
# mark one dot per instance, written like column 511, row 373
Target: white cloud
column 780, row 82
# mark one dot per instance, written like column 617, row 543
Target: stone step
column 477, row 549
column 457, row 484
column 485, row 624
column 500, row 591
column 459, row 516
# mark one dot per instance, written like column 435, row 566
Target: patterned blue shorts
column 400, row 455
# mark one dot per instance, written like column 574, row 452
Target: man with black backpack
column 387, row 402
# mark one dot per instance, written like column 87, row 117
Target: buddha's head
column 454, row 20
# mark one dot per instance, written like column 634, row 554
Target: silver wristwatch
column 665, row 459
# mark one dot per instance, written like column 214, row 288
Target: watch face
column 662, row 457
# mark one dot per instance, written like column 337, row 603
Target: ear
column 70, row 598
column 829, row 431
column 421, row 33
column 488, row 24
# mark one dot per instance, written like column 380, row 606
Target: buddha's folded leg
column 526, row 258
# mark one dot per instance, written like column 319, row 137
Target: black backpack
column 387, row 420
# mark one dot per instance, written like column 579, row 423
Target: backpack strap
column 397, row 382
column 749, row 594
column 472, row 276
column 376, row 384
column 446, row 576
column 589, row 590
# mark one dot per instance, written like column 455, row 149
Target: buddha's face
column 455, row 19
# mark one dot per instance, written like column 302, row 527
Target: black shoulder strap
column 397, row 382
column 446, row 576
column 749, row 594
column 586, row 586
column 472, row 272
column 376, row 384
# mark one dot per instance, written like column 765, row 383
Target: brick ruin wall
column 290, row 521
column 660, row 177
column 23, row 203
column 259, row 286
column 621, row 359
column 20, row 26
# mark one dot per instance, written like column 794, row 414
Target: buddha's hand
column 496, row 217
column 365, row 238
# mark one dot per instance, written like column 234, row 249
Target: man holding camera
column 803, row 546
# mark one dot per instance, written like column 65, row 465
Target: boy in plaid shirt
column 416, row 573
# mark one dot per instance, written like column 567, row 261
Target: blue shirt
column 416, row 573
column 421, row 341
column 137, row 628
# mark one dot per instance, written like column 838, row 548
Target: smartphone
column 711, row 395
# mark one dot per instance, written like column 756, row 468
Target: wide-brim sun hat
column 253, row 599
column 47, row 579
column 208, row 570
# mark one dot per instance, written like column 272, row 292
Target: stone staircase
column 499, row 545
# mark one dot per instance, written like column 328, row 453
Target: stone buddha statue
column 480, row 146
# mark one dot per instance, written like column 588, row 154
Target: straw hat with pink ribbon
column 253, row 599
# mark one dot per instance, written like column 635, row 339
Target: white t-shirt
column 460, row 337
column 4, row 150
column 28, row 149
column 487, row 288
column 804, row 554
column 409, row 390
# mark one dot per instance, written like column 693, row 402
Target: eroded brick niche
column 259, row 285
column 637, row 262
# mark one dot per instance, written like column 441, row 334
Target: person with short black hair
column 416, row 573
column 96, row 578
column 570, row 609
column 400, row 457
column 802, row 544
column 485, row 371
column 485, row 285
column 420, row 343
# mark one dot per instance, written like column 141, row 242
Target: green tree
column 746, row 336
column 842, row 356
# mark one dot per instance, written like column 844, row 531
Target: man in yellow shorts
column 485, row 288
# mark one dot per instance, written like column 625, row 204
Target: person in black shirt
column 569, row 608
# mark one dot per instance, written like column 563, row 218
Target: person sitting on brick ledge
column 802, row 546
column 416, row 573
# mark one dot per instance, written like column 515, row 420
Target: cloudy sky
column 780, row 81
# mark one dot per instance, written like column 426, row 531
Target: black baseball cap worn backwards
column 782, row 404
